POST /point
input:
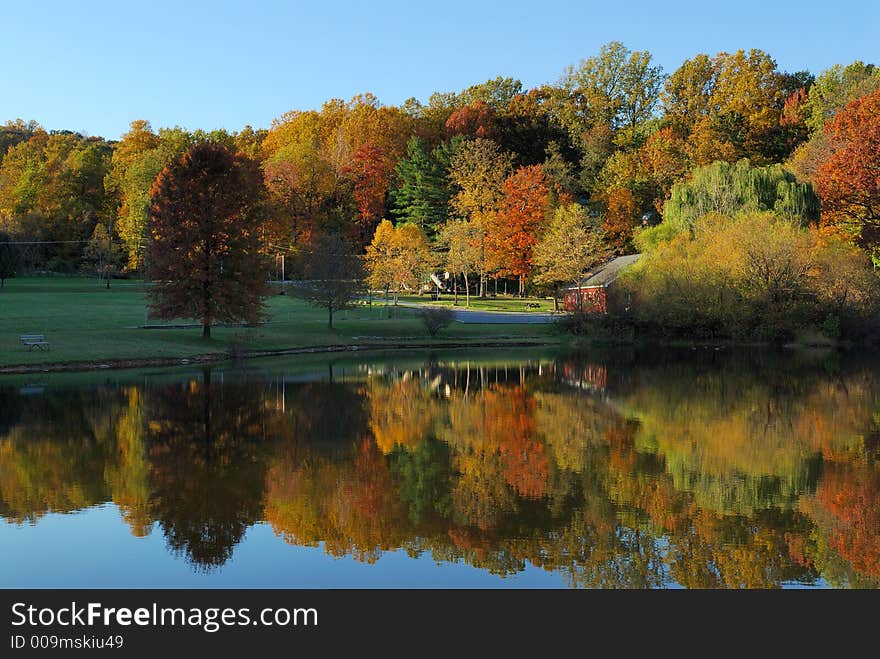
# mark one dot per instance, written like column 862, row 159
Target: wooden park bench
column 34, row 341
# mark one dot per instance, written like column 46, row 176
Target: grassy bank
column 86, row 322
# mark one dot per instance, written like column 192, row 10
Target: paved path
column 490, row 317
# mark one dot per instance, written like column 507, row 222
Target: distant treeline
column 496, row 177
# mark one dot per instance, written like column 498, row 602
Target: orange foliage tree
column 514, row 230
column 204, row 257
column 621, row 217
column 848, row 182
column 369, row 172
column 475, row 120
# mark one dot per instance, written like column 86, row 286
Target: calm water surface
column 698, row 469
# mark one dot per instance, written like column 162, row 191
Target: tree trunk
column 206, row 330
column 208, row 436
column 454, row 290
column 330, row 316
column 467, row 292
column 483, row 267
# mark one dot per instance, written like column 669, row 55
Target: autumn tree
column 597, row 146
column 9, row 258
column 380, row 258
column 299, row 176
column 398, row 258
column 137, row 160
column 477, row 120
column 619, row 87
column 462, row 256
column 334, row 274
column 478, row 170
column 514, row 229
column 369, row 173
column 664, row 157
column 526, row 127
column 323, row 167
column 51, row 189
column 562, row 175
column 14, row 132
column 848, row 182
column 621, row 217
column 731, row 106
column 104, row 254
column 496, row 92
column 570, row 247
column 204, row 257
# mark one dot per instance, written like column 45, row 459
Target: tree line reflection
column 726, row 471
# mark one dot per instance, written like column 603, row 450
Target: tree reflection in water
column 740, row 471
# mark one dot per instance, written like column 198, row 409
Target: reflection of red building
column 590, row 376
column 591, row 294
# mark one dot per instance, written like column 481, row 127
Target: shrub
column 758, row 277
column 436, row 318
column 598, row 328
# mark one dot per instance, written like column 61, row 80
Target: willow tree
column 204, row 257
column 734, row 189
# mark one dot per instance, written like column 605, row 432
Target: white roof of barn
column 605, row 274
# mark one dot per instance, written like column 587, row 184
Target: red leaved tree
column 514, row 230
column 621, row 217
column 848, row 182
column 204, row 255
column 370, row 173
column 475, row 120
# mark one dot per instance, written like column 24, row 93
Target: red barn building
column 591, row 294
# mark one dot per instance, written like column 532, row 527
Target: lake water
column 698, row 468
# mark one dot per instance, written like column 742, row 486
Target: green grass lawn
column 499, row 303
column 83, row 321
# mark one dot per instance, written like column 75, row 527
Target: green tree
column 422, row 194
column 836, row 87
column 739, row 188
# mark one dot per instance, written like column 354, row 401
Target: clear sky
column 94, row 66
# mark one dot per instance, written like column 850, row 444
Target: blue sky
column 93, row 66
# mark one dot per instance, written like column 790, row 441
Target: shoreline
column 216, row 357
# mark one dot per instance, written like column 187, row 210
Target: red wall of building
column 591, row 299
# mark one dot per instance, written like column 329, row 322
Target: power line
column 46, row 242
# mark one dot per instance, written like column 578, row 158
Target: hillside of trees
column 530, row 187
